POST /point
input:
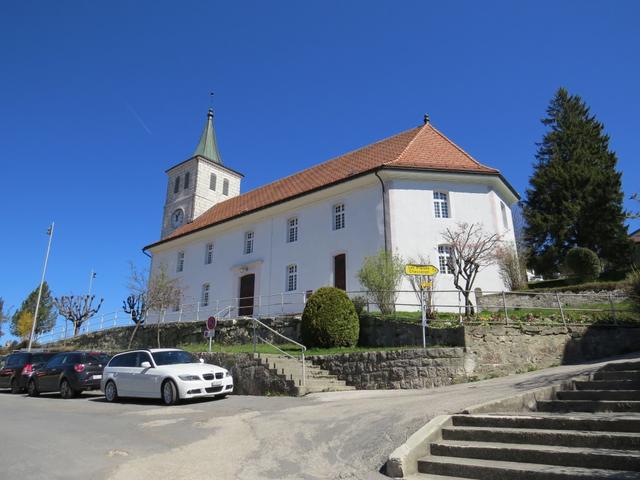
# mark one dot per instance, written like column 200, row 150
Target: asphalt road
column 345, row 435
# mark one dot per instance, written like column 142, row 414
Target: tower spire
column 207, row 146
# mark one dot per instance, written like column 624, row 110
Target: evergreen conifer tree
column 46, row 313
column 575, row 193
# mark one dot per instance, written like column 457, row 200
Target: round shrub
column 330, row 320
column 583, row 263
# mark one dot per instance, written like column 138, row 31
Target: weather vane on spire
column 211, row 102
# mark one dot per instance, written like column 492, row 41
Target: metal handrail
column 257, row 337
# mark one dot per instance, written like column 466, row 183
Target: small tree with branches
column 136, row 306
column 77, row 309
column 380, row 275
column 159, row 291
column 472, row 249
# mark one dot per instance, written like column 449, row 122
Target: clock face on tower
column 177, row 218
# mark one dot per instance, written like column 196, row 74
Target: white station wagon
column 166, row 373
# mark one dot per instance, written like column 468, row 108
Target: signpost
column 426, row 274
column 210, row 332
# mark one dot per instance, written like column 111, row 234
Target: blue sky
column 97, row 99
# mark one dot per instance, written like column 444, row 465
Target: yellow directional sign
column 413, row 269
column 425, row 285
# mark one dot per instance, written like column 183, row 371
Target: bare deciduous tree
column 159, row 289
column 472, row 249
column 136, row 306
column 77, row 309
column 511, row 268
column 417, row 280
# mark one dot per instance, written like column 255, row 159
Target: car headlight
column 227, row 373
column 188, row 378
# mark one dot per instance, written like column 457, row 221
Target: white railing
column 288, row 303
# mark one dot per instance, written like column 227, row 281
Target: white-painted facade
column 407, row 214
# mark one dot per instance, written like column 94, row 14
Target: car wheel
column 32, row 389
column 66, row 391
column 169, row 392
column 111, row 392
column 15, row 386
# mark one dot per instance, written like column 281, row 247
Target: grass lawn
column 289, row 348
column 590, row 313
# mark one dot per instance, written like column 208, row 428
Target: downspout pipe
column 384, row 210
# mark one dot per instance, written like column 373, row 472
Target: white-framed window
column 213, row 179
column 292, row 230
column 204, row 299
column 208, row 253
column 444, row 259
column 441, row 204
column 225, row 186
column 187, row 176
column 503, row 210
column 176, row 184
column 338, row 216
column 248, row 242
column 180, row 261
column 292, row 278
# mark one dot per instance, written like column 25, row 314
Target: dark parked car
column 69, row 373
column 18, row 368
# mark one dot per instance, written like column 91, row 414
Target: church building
column 264, row 251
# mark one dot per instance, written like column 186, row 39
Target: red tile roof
column 422, row 148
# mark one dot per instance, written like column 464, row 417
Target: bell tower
column 198, row 183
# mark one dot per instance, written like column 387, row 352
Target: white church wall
column 313, row 252
column 416, row 231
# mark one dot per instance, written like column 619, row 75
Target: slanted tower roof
column 207, row 146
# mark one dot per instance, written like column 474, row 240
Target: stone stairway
column 317, row 380
column 591, row 431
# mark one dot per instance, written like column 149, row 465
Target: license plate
column 97, row 377
column 216, row 384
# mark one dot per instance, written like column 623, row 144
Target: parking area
column 345, row 435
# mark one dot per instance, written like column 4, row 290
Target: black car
column 69, row 373
column 18, row 368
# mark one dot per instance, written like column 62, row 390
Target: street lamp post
column 92, row 275
column 44, row 271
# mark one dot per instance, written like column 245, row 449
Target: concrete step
column 606, row 385
column 566, row 438
column 501, row 470
column 543, row 454
column 588, row 406
column 584, row 422
column 633, row 375
column 598, row 395
column 622, row 366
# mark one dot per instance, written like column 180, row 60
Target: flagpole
column 44, row 271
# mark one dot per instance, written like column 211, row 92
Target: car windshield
column 171, row 357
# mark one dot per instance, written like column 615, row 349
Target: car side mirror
column 202, row 360
column 145, row 365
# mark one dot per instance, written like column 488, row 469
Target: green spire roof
column 207, row 146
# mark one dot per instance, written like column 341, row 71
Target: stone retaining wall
column 398, row 369
column 494, row 302
column 502, row 350
column 228, row 332
column 250, row 375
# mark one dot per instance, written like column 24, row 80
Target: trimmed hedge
column 330, row 320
